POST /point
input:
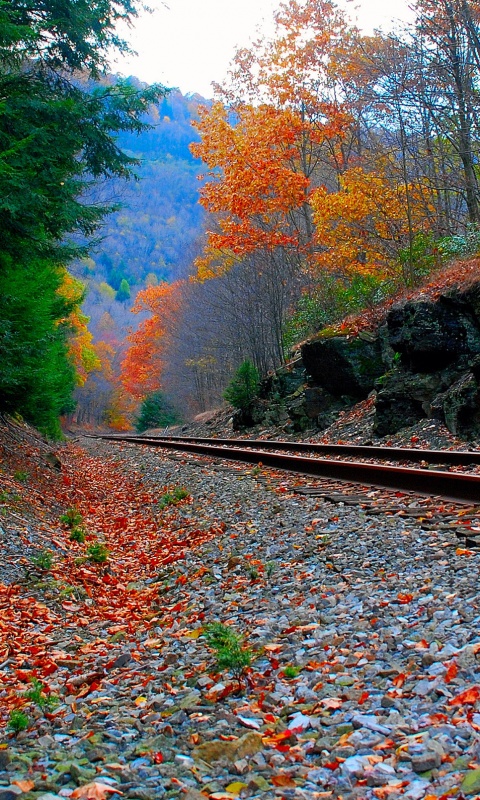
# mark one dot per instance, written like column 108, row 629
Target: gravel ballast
column 361, row 612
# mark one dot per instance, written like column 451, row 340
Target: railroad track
column 431, row 482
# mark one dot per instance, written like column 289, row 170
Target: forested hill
column 152, row 237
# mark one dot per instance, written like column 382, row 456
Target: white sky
column 190, row 43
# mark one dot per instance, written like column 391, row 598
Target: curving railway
column 359, row 464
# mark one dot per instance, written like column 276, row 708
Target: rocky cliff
column 422, row 360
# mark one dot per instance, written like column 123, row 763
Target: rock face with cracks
column 421, row 362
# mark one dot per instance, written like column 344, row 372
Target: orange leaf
column 387, row 744
column 462, row 551
column 94, row 791
column 275, row 738
column 25, row 786
column 468, row 697
column 451, row 672
column 422, row 645
column 436, row 718
column 284, row 780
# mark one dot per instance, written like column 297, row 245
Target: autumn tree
column 94, row 397
column 277, row 125
column 144, row 362
column 81, row 349
column 365, row 226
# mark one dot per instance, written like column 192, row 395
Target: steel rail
column 458, row 457
column 449, row 485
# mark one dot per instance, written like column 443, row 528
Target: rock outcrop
column 344, row 365
column 422, row 361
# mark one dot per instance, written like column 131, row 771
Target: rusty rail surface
column 448, row 485
column 458, row 457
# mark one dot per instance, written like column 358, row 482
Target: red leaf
column 451, row 672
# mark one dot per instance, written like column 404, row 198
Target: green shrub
column 231, row 655
column 244, row 386
column 21, row 476
column 291, row 672
column 329, row 302
column 78, row 535
column 98, row 553
column 72, row 518
column 17, row 721
column 156, row 412
column 460, row 246
column 420, row 258
column 44, row 560
column 270, row 568
column 172, row 498
column 38, row 695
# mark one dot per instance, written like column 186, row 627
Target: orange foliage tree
column 281, row 122
column 144, row 361
column 258, row 184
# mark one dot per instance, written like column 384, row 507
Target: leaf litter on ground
column 364, row 680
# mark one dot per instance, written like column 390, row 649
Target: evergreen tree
column 244, row 386
column 58, row 118
column 123, row 292
column 156, row 412
column 36, row 376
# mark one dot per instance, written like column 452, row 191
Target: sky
column 187, row 44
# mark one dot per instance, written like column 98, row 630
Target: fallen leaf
column 141, row 701
column 462, row 551
column 451, row 672
column 25, row 786
column 284, row 780
column 235, row 787
column 331, row 702
column 468, row 697
column 94, row 791
column 194, row 634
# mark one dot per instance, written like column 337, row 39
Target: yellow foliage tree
column 80, row 341
column 363, row 226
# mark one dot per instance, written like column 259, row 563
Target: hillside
column 154, row 235
column 155, row 230
column 405, row 371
